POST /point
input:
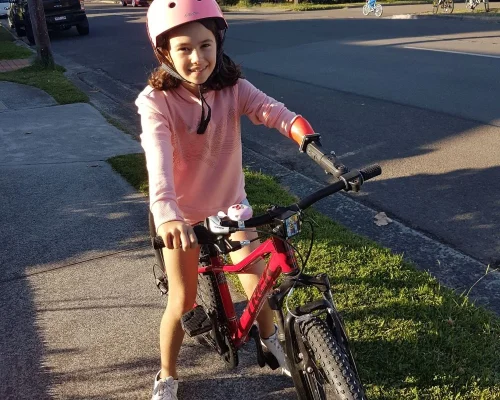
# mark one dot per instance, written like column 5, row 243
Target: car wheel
column 29, row 32
column 19, row 31
column 83, row 28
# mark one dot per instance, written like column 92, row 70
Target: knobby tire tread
column 210, row 300
column 329, row 356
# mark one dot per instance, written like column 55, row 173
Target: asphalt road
column 418, row 96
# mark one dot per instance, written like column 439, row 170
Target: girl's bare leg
column 182, row 272
column 249, row 281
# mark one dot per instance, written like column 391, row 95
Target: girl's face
column 193, row 51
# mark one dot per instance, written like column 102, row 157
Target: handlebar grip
column 371, row 171
column 202, row 234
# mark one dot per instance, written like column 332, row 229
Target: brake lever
column 353, row 180
column 214, row 225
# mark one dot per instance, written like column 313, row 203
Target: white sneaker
column 273, row 345
column 165, row 389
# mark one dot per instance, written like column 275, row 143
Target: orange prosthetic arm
column 302, row 132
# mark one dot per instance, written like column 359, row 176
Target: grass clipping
column 411, row 338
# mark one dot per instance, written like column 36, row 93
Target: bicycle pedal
column 196, row 322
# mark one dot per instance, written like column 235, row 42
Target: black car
column 59, row 14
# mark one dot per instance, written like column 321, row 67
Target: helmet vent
column 171, row 5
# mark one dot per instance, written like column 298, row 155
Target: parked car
column 135, row 3
column 4, row 8
column 59, row 14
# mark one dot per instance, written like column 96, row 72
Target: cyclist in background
column 190, row 116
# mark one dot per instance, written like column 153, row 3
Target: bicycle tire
column 366, row 10
column 334, row 378
column 449, row 5
column 152, row 234
column 486, row 5
column 209, row 298
column 435, row 5
column 379, row 10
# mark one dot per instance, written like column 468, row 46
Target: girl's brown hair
column 226, row 72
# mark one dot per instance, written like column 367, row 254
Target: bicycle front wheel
column 448, row 6
column 332, row 377
column 366, row 10
column 379, row 10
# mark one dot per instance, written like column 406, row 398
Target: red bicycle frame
column 282, row 260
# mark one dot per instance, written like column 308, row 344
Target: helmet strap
column 202, row 126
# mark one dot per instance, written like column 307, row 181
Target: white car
column 4, row 8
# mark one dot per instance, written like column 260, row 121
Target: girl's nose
column 195, row 56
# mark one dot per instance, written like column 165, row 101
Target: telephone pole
column 40, row 33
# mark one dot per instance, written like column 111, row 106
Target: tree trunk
column 42, row 40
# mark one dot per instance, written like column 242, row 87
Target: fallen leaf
column 381, row 219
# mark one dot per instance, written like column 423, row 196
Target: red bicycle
column 312, row 334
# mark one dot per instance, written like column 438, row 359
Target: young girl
column 190, row 115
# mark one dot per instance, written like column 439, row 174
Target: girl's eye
column 206, row 45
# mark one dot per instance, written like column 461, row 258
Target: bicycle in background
column 472, row 4
column 312, row 333
column 445, row 5
column 372, row 7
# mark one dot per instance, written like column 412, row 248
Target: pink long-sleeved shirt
column 194, row 176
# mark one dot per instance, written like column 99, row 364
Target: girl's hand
column 178, row 235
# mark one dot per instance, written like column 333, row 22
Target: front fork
column 289, row 325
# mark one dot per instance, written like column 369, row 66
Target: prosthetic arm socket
column 299, row 129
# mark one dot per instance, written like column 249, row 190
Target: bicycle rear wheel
column 435, row 5
column 366, row 9
column 332, row 377
column 208, row 297
column 379, row 10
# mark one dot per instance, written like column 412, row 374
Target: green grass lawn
column 52, row 81
column 412, row 338
column 9, row 50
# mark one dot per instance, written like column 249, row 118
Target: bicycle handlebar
column 347, row 180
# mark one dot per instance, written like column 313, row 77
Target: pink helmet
column 164, row 15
